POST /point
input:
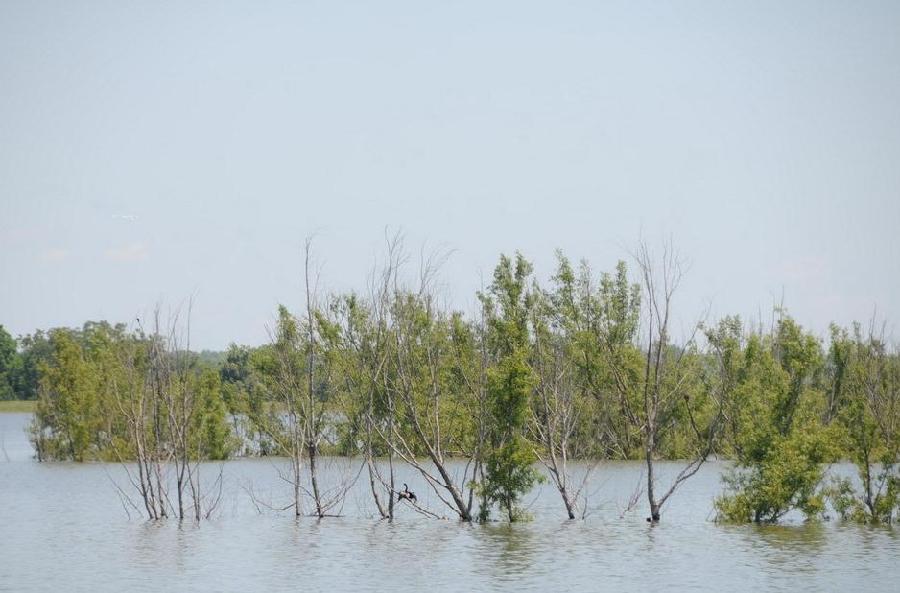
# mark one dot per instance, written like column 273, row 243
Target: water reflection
column 507, row 550
column 62, row 528
column 789, row 539
column 787, row 548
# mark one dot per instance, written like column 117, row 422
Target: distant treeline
column 584, row 367
column 21, row 359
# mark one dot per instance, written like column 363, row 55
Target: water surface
column 64, row 528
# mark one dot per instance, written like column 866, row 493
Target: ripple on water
column 62, row 528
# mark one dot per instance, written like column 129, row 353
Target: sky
column 160, row 152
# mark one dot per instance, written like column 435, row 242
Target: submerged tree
column 66, row 420
column 367, row 343
column 298, row 373
column 870, row 419
column 554, row 414
column 581, row 369
column 571, row 383
column 779, row 442
column 509, row 471
column 663, row 396
column 369, row 412
column 433, row 407
column 173, row 418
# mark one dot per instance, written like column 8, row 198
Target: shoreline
column 17, row 406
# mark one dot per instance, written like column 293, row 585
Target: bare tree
column 366, row 336
column 665, row 385
column 426, row 407
column 555, row 411
column 302, row 382
column 155, row 393
column 137, row 403
column 315, row 412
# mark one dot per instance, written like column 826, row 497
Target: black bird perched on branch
column 406, row 494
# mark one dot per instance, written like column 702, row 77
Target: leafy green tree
column 106, row 393
column 25, row 375
column 598, row 321
column 612, row 323
column 869, row 416
column 211, row 431
column 241, row 388
column 509, row 464
column 779, row 442
column 67, row 419
column 9, row 361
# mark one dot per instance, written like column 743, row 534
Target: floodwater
column 63, row 527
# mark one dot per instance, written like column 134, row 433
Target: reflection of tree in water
column 421, row 554
column 157, row 544
column 787, row 547
column 183, row 543
column 853, row 539
column 511, row 546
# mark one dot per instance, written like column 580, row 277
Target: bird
column 406, row 494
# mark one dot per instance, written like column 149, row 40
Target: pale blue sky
column 763, row 136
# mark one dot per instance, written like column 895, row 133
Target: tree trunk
column 651, row 496
column 314, row 479
column 570, row 509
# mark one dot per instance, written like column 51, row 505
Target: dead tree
column 300, row 377
column 554, row 414
column 154, row 392
column 427, row 408
column 365, row 327
column 315, row 413
column 666, row 382
column 136, row 400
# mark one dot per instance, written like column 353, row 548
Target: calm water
column 63, row 528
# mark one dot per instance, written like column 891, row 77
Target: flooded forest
column 480, row 407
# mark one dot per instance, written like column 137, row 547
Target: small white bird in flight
column 128, row 217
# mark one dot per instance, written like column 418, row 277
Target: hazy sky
column 150, row 151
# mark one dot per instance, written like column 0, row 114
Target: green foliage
column 17, row 406
column 24, row 372
column 851, row 505
column 785, row 478
column 509, row 464
column 509, row 475
column 866, row 409
column 778, row 440
column 394, row 371
column 69, row 408
column 94, row 388
column 596, row 325
column 212, row 433
column 509, row 385
column 726, row 375
column 9, row 360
